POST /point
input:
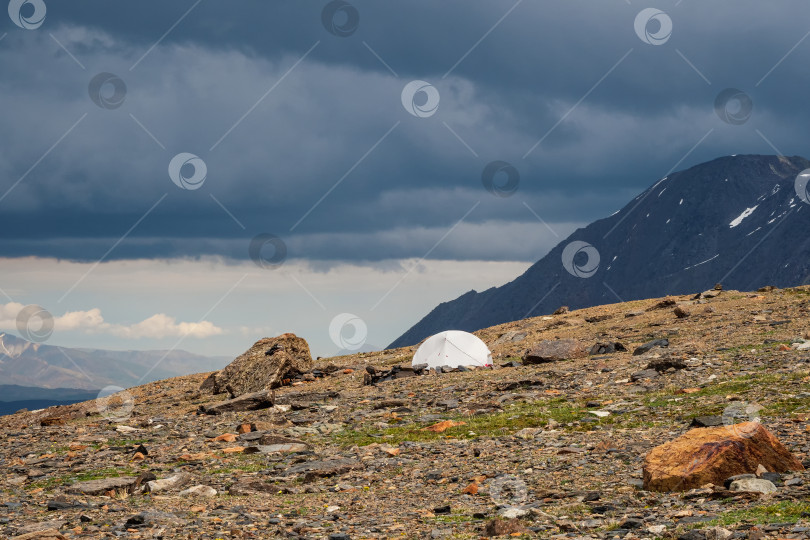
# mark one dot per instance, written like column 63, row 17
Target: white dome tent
column 452, row 349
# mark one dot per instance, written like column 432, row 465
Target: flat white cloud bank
column 215, row 307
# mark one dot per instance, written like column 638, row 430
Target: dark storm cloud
column 333, row 121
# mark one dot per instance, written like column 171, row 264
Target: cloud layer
column 304, row 135
column 91, row 321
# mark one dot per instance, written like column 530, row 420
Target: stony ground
column 559, row 446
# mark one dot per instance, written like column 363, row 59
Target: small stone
column 718, row 533
column 631, row 523
column 503, row 527
column 528, row 433
column 200, row 491
column 644, row 374
column 172, row 482
column 444, row 509
column 727, row 482
column 512, row 512
column 680, row 312
column 753, row 484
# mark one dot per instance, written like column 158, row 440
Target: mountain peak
column 732, row 220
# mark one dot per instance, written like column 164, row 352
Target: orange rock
column 194, row 457
column 347, row 371
column 138, row 457
column 472, row 489
column 76, row 446
column 441, row 427
column 244, row 428
column 391, row 451
column 225, row 437
column 602, row 447
column 234, row 450
column 710, row 455
column 784, row 347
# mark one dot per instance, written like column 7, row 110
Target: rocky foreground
column 550, row 443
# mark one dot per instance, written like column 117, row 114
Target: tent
column 451, row 349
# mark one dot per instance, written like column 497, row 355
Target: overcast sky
column 149, row 148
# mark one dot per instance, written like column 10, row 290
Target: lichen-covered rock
column 554, row 351
column 264, row 366
column 710, row 455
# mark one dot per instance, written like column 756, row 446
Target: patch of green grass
column 513, row 418
column 450, row 518
column 51, row 483
column 243, row 463
column 781, row 512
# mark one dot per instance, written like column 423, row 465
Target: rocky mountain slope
column 735, row 219
column 30, row 364
column 548, row 450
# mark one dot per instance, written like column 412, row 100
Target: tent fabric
column 452, row 349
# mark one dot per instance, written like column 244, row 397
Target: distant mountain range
column 28, row 364
column 736, row 220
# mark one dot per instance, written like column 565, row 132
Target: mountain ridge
column 28, row 364
column 717, row 213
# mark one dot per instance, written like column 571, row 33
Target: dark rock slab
column 103, row 485
column 554, row 351
column 248, row 402
column 325, row 468
column 650, row 345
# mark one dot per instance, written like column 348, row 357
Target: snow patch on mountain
column 737, row 220
column 702, row 262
